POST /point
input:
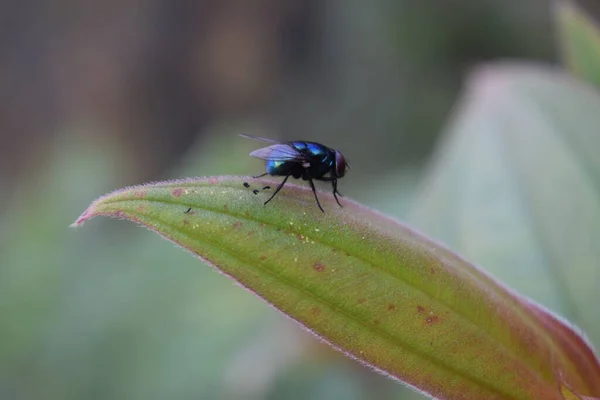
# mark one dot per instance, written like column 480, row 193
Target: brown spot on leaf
column 391, row 307
column 225, row 208
column 140, row 208
column 433, row 319
column 177, row 192
column 263, row 258
column 315, row 311
column 140, row 194
column 186, row 222
column 319, row 267
column 361, row 300
column 237, row 225
column 420, row 309
column 300, row 236
column 376, row 321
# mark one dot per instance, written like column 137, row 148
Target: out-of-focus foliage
column 158, row 75
column 516, row 187
column 579, row 37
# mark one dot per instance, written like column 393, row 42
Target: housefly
column 299, row 159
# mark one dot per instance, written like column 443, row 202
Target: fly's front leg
column 312, row 186
column 335, row 189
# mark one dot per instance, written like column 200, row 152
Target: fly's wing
column 259, row 138
column 280, row 152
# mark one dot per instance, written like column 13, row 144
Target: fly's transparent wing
column 279, row 152
column 262, row 139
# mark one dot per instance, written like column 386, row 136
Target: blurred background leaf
column 516, row 186
column 579, row 38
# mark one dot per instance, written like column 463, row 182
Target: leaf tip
column 96, row 209
column 87, row 215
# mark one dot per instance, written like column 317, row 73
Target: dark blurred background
column 96, row 95
column 158, row 76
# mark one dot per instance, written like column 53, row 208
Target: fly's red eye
column 340, row 165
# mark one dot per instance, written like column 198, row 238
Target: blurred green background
column 99, row 95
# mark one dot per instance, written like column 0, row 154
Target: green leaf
column 368, row 285
column 516, row 187
column 568, row 394
column 579, row 39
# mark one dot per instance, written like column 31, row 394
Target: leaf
column 569, row 395
column 367, row 285
column 517, row 186
column 579, row 39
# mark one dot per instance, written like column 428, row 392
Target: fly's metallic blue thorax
column 321, row 157
column 314, row 149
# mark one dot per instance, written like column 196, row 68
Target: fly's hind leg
column 278, row 188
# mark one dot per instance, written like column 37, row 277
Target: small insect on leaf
column 308, row 161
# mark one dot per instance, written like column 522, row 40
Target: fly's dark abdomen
column 284, row 168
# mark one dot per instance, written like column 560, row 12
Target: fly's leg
column 260, row 176
column 335, row 191
column 312, row 186
column 333, row 181
column 278, row 188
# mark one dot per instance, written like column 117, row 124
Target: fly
column 309, row 161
